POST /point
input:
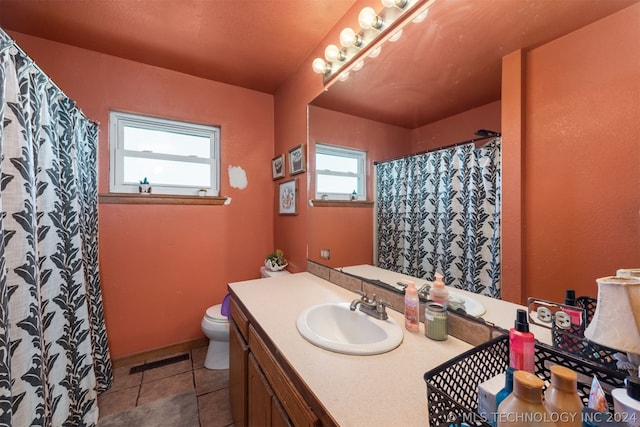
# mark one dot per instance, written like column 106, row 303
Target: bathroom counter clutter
column 497, row 312
column 384, row 389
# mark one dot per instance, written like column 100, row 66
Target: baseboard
column 158, row 353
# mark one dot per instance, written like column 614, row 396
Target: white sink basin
column 335, row 327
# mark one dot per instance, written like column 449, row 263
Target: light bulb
column 375, row 52
column 396, row 36
column 332, row 53
column 395, row 3
column 319, row 66
column 368, row 19
column 349, row 38
column 421, row 17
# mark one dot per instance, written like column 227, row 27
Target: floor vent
column 159, row 363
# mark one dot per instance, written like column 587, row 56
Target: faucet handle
column 384, row 303
column 381, row 309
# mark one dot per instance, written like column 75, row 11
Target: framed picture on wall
column 277, row 167
column 297, row 160
column 288, row 197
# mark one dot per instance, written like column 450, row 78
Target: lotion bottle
column 521, row 344
column 411, row 305
column 561, row 398
column 524, row 406
column 438, row 293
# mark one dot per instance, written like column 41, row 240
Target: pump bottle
column 438, row 293
column 411, row 303
column 521, row 344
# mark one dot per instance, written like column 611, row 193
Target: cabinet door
column 260, row 396
column 279, row 417
column 238, row 358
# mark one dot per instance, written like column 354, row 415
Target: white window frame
column 359, row 155
column 119, row 120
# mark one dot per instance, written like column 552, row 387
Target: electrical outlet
column 325, row 254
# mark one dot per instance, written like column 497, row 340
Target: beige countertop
column 386, row 389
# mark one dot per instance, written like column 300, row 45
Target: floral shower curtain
column 440, row 212
column 54, row 357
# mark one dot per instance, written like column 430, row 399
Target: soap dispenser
column 411, row 305
column 438, row 293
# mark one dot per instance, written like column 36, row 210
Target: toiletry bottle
column 411, row 303
column 524, row 406
column 561, row 398
column 506, row 390
column 576, row 316
column 521, row 344
column 438, row 293
column 626, row 401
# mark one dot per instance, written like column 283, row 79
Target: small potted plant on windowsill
column 276, row 261
column 144, row 187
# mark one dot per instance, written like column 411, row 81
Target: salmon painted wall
column 347, row 231
column 582, row 157
column 460, row 127
column 291, row 129
column 163, row 265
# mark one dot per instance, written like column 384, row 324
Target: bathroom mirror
column 447, row 67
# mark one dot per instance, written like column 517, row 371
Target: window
column 339, row 172
column 175, row 157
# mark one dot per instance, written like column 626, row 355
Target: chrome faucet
column 371, row 306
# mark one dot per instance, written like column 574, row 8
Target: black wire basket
column 573, row 341
column 452, row 388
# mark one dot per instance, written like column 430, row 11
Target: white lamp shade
column 616, row 322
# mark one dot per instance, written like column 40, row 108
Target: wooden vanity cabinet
column 260, row 396
column 238, row 364
column 262, row 392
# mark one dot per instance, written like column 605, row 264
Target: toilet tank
column 265, row 272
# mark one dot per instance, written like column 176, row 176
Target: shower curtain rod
column 482, row 133
column 37, row 67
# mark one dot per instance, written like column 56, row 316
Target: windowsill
column 158, row 199
column 318, row 203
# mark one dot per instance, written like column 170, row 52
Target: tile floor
column 211, row 387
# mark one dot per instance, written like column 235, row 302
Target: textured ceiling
column 448, row 64
column 452, row 61
column 256, row 44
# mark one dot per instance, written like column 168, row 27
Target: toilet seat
column 214, row 314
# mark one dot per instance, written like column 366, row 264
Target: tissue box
column 487, row 392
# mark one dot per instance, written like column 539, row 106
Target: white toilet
column 216, row 327
column 265, row 272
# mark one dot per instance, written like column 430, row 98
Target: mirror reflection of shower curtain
column 54, row 357
column 440, row 212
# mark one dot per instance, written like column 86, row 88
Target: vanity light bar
column 375, row 28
